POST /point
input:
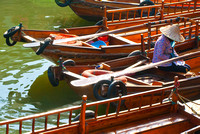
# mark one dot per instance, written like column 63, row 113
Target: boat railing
column 131, row 14
column 189, row 29
column 184, row 6
column 168, row 1
column 132, row 3
column 158, row 94
column 159, row 11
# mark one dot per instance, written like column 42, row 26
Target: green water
column 24, row 85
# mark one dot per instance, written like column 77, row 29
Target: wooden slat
column 20, row 127
column 70, row 117
column 182, row 7
column 33, row 125
column 107, row 108
column 58, row 120
column 96, row 111
column 7, row 128
column 45, row 122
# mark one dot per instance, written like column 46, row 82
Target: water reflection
column 48, row 97
column 15, row 84
column 24, row 85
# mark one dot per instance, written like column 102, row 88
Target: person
column 164, row 49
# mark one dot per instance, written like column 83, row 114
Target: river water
column 24, row 85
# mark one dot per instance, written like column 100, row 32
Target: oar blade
column 89, row 81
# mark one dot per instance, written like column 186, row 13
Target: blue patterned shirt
column 163, row 50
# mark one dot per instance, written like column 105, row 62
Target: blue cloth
column 98, row 43
column 172, row 45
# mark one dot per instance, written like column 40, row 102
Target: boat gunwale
column 57, row 111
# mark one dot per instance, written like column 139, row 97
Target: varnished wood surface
column 162, row 116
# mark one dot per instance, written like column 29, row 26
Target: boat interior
column 94, row 43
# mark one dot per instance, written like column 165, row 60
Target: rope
column 188, row 100
column 172, row 92
column 61, row 64
column 176, row 85
column 182, row 99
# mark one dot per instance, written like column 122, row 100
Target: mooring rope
column 182, row 99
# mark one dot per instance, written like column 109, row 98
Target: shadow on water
column 46, row 97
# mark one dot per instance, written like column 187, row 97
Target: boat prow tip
column 76, row 83
column 33, row 44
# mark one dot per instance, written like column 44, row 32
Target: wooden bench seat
column 150, row 125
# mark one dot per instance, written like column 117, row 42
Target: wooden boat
column 81, row 51
column 94, row 9
column 163, row 117
column 145, row 80
column 74, row 72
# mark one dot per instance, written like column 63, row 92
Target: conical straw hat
column 173, row 32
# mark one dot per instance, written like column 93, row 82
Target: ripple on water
column 56, row 27
column 18, row 61
column 15, row 86
column 3, row 70
column 2, row 50
column 21, row 68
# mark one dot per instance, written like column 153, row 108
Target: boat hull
column 93, row 10
column 84, row 56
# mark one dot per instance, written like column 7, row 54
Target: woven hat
column 173, row 32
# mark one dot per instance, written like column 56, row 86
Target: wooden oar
column 136, row 64
column 95, row 79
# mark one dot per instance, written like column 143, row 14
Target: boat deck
column 151, row 125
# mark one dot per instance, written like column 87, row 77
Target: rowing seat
column 158, row 124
